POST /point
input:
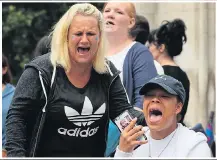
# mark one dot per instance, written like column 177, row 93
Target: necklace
column 149, row 154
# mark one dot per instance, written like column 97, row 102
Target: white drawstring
column 109, row 69
column 53, row 76
column 45, row 94
column 44, row 90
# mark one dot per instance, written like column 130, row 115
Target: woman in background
column 7, row 95
column 165, row 43
column 132, row 58
column 140, row 33
column 42, row 47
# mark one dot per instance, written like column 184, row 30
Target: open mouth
column 109, row 23
column 83, row 50
column 155, row 115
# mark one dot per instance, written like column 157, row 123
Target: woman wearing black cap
column 163, row 101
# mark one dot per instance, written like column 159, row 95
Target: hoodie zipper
column 108, row 105
column 36, row 141
column 43, row 111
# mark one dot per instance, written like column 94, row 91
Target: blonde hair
column 131, row 10
column 59, row 44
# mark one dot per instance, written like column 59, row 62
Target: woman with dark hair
column 43, row 46
column 140, row 33
column 141, row 29
column 165, row 43
column 7, row 94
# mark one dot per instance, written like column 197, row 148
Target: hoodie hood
column 44, row 65
column 9, row 89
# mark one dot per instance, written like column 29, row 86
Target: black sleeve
column 118, row 102
column 27, row 101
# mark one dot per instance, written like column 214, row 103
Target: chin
column 110, row 30
column 84, row 62
column 155, row 127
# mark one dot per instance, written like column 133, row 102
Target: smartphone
column 124, row 120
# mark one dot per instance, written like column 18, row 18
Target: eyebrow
column 115, row 8
column 75, row 29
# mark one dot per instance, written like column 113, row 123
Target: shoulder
column 195, row 143
column 190, row 137
column 178, row 73
column 8, row 91
column 10, row 86
column 40, row 61
column 158, row 67
column 112, row 70
column 138, row 47
column 140, row 52
column 42, row 64
column 191, row 133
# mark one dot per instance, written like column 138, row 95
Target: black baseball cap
column 168, row 83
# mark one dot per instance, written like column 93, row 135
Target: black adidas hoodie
column 77, row 119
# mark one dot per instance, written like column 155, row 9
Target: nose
column 109, row 14
column 155, row 99
column 84, row 39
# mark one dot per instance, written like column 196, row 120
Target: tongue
column 154, row 118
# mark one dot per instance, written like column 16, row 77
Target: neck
column 79, row 75
column 157, row 135
column 117, row 43
column 165, row 59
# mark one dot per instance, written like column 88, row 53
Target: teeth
column 109, row 23
column 80, row 49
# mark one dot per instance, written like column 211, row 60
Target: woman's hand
column 129, row 137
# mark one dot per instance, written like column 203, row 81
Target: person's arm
column 143, row 70
column 200, row 150
column 118, row 103
column 27, row 101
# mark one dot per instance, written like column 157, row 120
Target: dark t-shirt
column 76, row 119
column 179, row 74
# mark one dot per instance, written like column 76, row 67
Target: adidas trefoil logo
column 87, row 116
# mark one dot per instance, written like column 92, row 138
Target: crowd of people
column 91, row 68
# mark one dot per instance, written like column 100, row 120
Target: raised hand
column 129, row 137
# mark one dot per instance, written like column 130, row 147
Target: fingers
column 134, row 139
column 131, row 125
column 133, row 134
column 130, row 137
column 136, row 135
column 134, row 130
